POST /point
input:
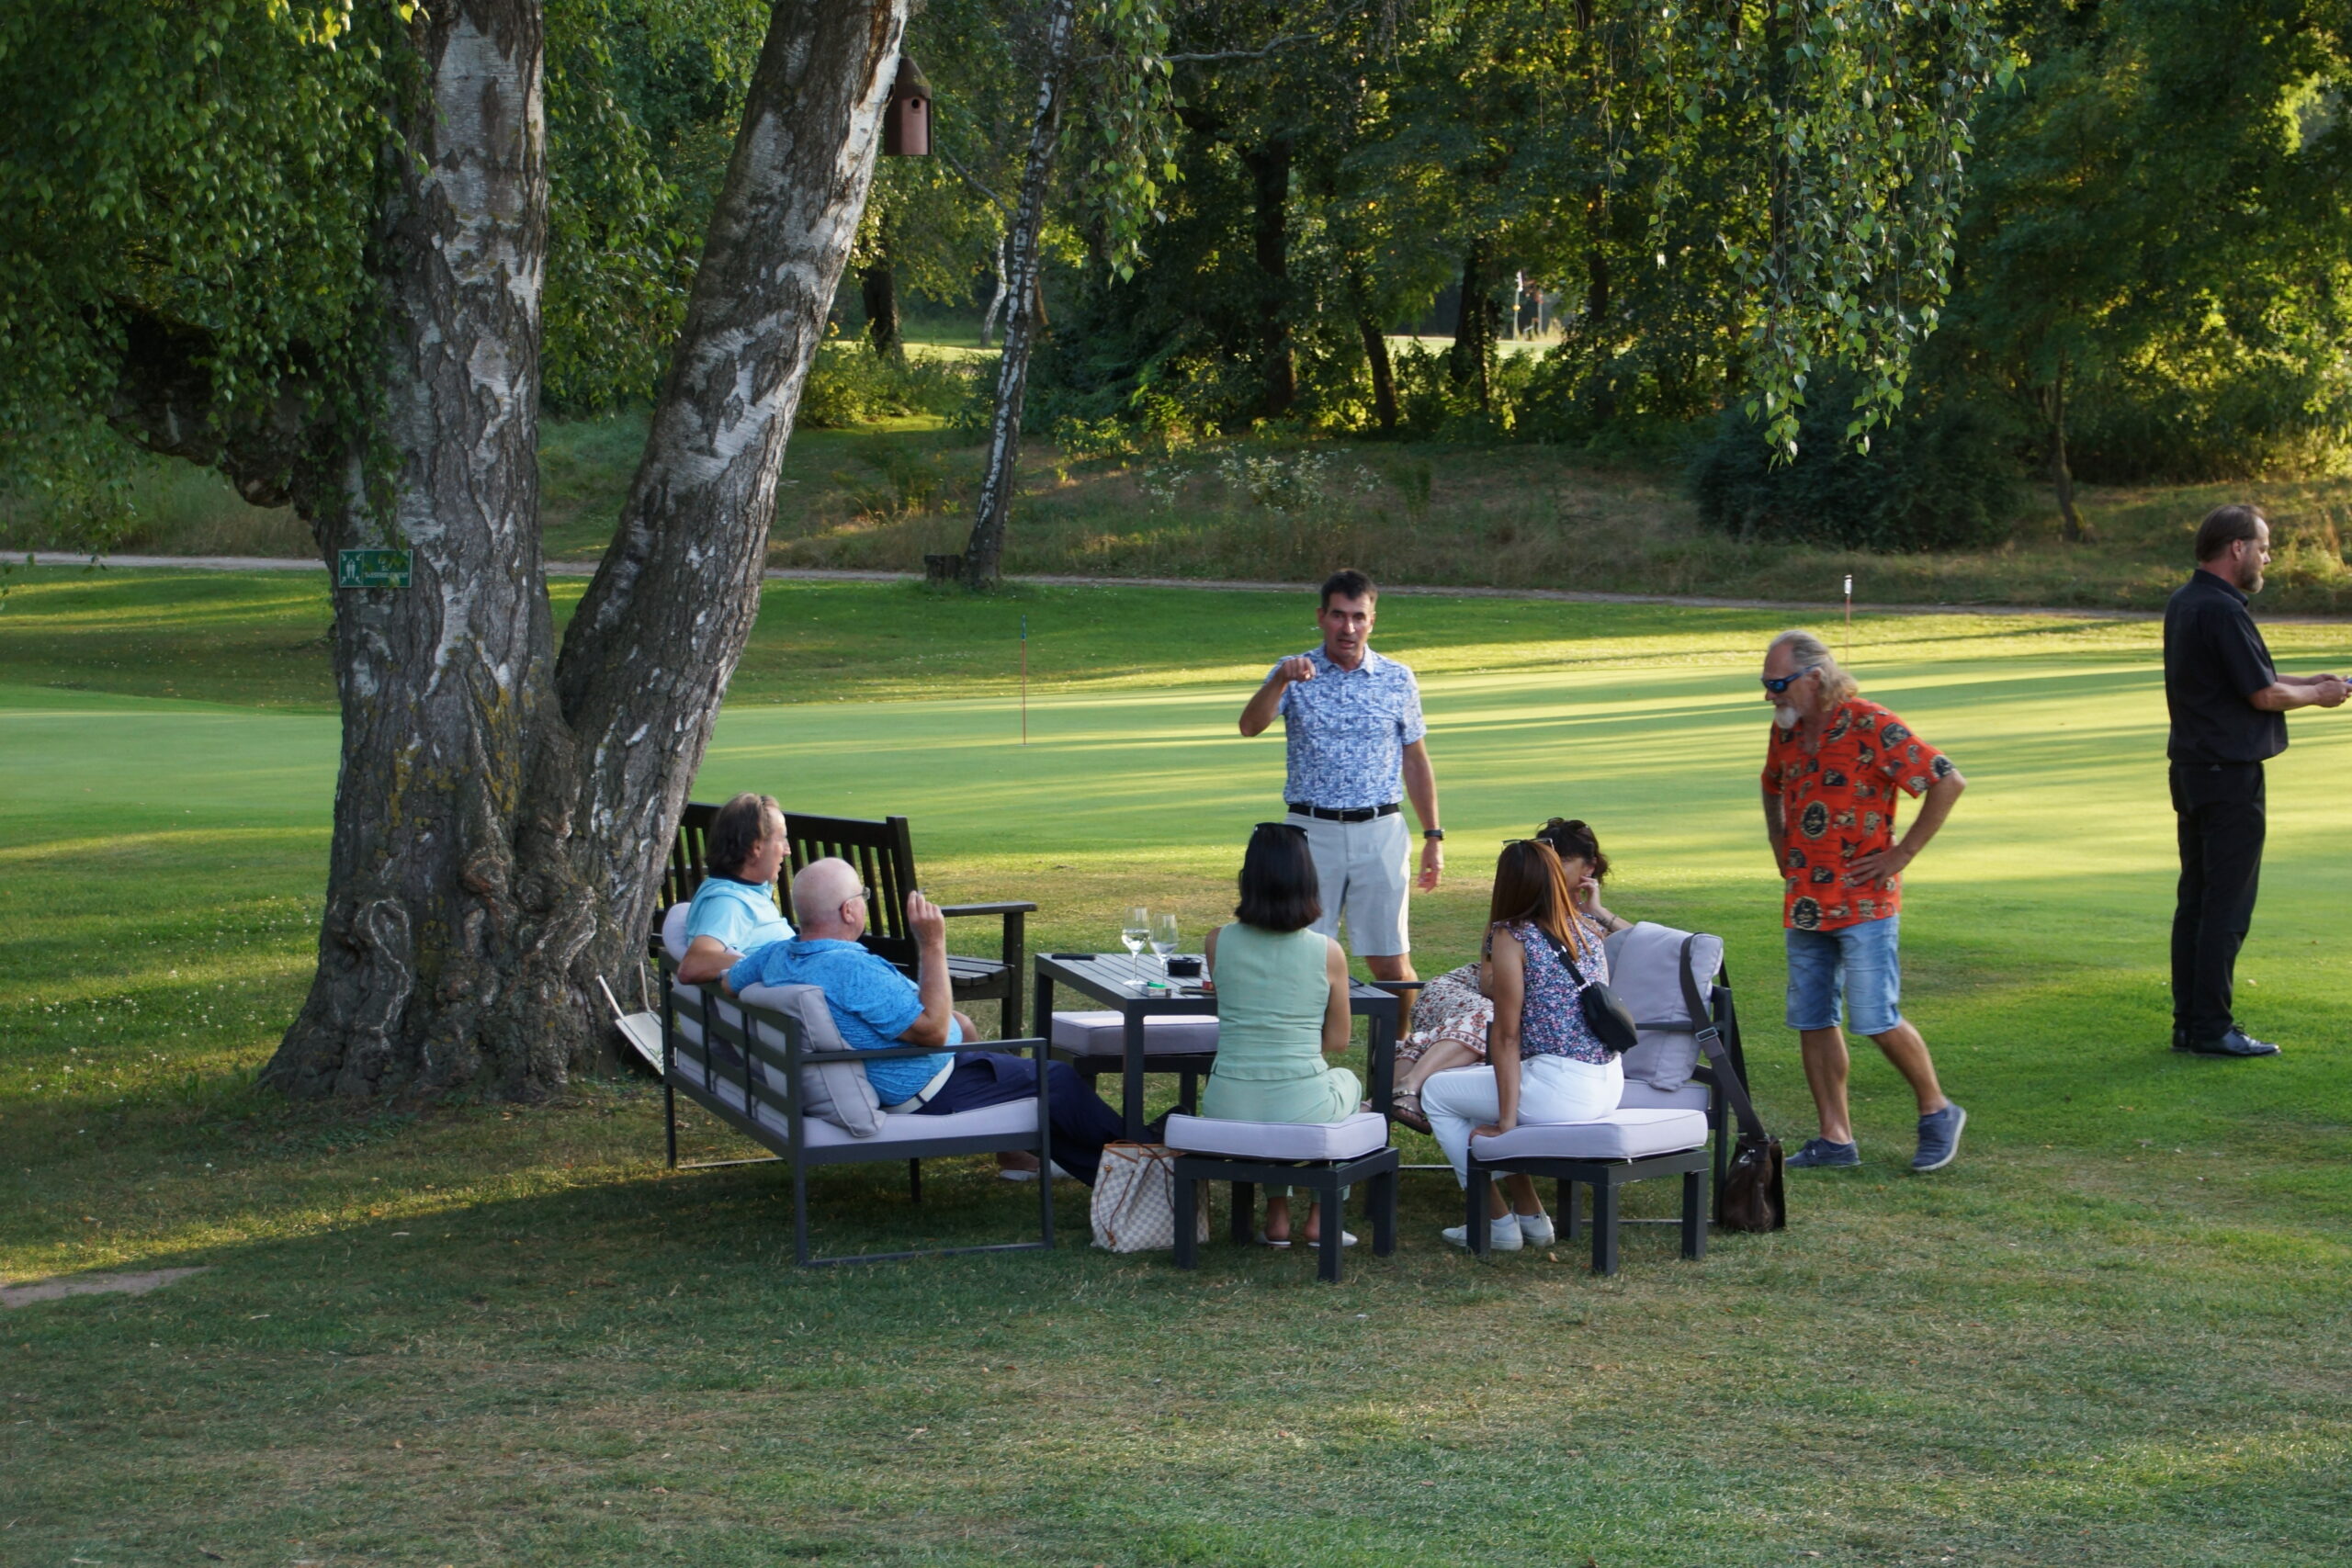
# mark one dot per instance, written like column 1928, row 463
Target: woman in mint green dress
column 1282, row 1003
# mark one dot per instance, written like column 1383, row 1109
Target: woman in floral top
column 1546, row 1064
column 1450, row 1019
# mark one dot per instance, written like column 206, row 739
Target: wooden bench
column 884, row 854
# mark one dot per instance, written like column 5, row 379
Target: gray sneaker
column 1820, row 1154
column 1938, row 1138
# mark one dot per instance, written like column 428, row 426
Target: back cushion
column 1645, row 969
column 674, row 932
column 838, row 1092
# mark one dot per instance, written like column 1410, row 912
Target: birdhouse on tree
column 906, row 121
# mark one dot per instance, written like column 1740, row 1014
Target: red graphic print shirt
column 1838, row 804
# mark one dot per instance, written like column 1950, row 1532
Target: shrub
column 1938, row 478
column 850, row 384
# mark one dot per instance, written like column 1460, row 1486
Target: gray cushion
column 690, row 1028
column 1007, row 1122
column 1358, row 1134
column 838, row 1092
column 674, row 932
column 1640, row 1096
column 1620, row 1134
column 1645, row 968
column 1104, row 1034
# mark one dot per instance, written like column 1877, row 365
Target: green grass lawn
column 2113, row 1333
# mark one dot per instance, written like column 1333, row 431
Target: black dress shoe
column 2236, row 1042
column 2180, row 1039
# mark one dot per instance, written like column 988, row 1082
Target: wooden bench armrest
column 1013, row 907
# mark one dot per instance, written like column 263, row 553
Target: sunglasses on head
column 1775, row 684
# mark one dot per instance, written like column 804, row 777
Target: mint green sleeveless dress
column 1271, row 989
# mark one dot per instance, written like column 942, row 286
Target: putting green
column 2056, row 866
column 2102, row 1337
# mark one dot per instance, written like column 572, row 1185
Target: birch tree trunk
column 501, row 811
column 984, row 551
column 657, row 635
column 444, row 684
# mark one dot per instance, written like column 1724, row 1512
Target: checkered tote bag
column 1134, row 1199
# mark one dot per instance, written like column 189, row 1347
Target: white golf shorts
column 1362, row 869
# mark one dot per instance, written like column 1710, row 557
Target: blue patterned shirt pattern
column 1347, row 731
column 871, row 1002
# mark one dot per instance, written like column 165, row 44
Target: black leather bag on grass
column 1751, row 1197
column 1610, row 1020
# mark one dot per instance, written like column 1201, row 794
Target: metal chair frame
column 696, row 1070
column 1375, row 1172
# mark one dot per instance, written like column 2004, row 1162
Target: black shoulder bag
column 1751, row 1197
column 1610, row 1020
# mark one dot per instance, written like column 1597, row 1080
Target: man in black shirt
column 2228, row 704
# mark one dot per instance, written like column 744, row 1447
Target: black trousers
column 1083, row 1124
column 2220, row 810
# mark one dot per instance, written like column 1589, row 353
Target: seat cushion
column 1010, row 1122
column 1620, row 1134
column 1104, row 1035
column 1639, row 1096
column 1645, row 969
column 1358, row 1134
column 690, row 1027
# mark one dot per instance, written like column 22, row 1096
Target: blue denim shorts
column 1859, row 963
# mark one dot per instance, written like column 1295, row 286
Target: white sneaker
column 1535, row 1230
column 1502, row 1235
column 1059, row 1174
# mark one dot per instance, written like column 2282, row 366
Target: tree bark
column 501, row 813
column 878, row 288
column 1270, row 175
column 444, row 684
column 2061, row 474
column 984, row 550
column 1474, row 327
column 659, row 631
column 996, row 300
column 1384, row 375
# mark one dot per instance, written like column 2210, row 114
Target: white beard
column 1786, row 716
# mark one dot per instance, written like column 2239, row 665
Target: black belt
column 1353, row 814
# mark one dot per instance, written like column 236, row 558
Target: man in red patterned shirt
column 1831, row 774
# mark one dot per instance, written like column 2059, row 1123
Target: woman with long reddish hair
column 1451, row 1016
column 1544, row 1063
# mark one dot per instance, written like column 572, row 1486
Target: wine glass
column 1163, row 937
column 1134, row 934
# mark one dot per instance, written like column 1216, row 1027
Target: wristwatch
column 1433, row 832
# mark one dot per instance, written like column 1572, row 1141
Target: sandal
column 1404, row 1106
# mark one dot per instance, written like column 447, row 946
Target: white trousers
column 1551, row 1088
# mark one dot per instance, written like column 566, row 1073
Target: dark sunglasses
column 1775, row 684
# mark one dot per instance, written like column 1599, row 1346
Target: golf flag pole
column 1024, row 680
column 1849, row 618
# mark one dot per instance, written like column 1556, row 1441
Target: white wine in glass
column 1163, row 937
column 1134, row 934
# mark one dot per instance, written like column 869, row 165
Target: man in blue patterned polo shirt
column 1352, row 721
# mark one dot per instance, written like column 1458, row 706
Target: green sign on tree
column 371, row 569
